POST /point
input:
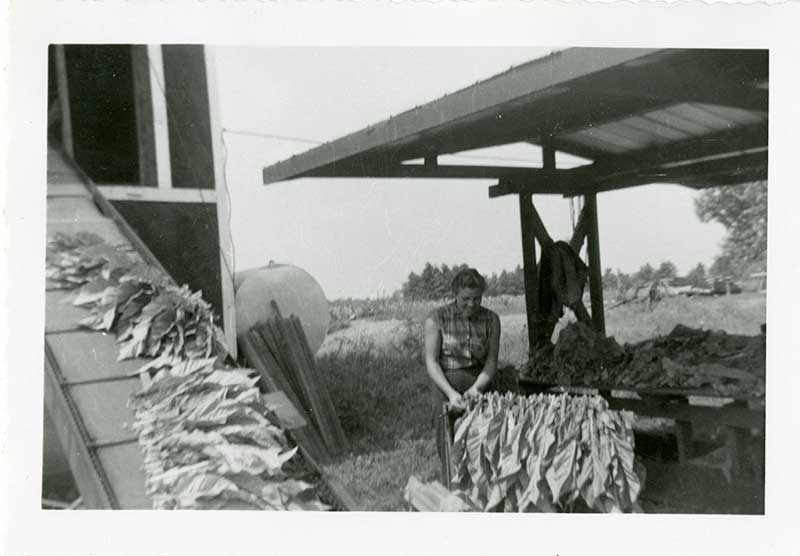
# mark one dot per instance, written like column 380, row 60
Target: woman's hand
column 472, row 392
column 456, row 401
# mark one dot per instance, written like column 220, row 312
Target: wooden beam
column 430, row 169
column 143, row 106
column 580, row 231
column 155, row 63
column 539, row 229
column 226, row 251
column 595, row 271
column 730, row 141
column 89, row 475
column 747, row 163
column 63, row 98
column 529, row 269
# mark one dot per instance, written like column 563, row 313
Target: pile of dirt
column 687, row 358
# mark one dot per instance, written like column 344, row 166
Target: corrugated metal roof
column 659, row 127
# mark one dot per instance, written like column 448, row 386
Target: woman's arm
column 490, row 367
column 433, row 346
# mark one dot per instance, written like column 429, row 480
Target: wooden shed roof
column 689, row 116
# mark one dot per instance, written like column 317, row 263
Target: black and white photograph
column 416, row 283
column 471, row 304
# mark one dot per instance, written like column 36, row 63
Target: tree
column 666, row 269
column 610, row 280
column 742, row 210
column 724, row 267
column 697, row 276
column 645, row 274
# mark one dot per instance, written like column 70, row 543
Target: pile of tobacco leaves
column 545, row 453
column 209, row 438
column 687, row 358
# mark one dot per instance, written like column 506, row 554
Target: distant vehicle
column 726, row 286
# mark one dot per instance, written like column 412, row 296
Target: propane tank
column 292, row 288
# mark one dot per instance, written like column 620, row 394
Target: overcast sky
column 362, row 237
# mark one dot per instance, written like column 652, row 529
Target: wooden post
column 529, row 267
column 63, row 97
column 595, row 272
column 145, row 128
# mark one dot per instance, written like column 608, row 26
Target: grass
column 376, row 376
column 382, row 396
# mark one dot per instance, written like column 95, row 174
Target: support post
column 63, row 97
column 529, row 267
column 595, row 272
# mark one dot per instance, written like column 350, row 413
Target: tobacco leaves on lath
column 203, row 426
column 546, row 453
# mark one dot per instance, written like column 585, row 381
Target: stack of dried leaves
column 696, row 359
column 204, row 427
column 687, row 358
column 546, row 453
column 208, row 443
column 581, row 356
column 74, row 260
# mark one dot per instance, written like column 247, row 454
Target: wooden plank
column 125, row 468
column 259, row 356
column 529, row 268
column 186, row 90
column 145, row 128
column 318, row 411
column 539, row 229
column 71, row 209
column 59, row 313
column 740, row 417
column 90, row 479
column 88, row 355
column 104, row 408
column 580, row 231
column 103, row 227
column 272, row 343
column 331, row 416
column 288, row 416
column 645, row 392
column 595, row 271
column 226, row 249
column 63, row 98
column 160, row 117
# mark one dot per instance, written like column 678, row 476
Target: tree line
column 741, row 209
column 433, row 282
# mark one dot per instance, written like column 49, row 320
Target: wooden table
column 738, row 415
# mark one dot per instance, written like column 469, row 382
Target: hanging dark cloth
column 562, row 277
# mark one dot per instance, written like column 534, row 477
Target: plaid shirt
column 465, row 342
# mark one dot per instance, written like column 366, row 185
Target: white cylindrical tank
column 292, row 288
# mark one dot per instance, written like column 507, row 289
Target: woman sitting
column 461, row 344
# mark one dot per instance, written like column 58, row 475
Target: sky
column 362, row 237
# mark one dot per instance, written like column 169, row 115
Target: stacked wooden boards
column 278, row 349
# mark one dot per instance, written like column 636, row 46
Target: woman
column 461, row 344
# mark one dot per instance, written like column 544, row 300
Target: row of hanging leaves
column 202, row 425
column 547, row 453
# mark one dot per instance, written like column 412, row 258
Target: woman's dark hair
column 468, row 278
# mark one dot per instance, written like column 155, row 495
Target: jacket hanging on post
column 562, row 277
